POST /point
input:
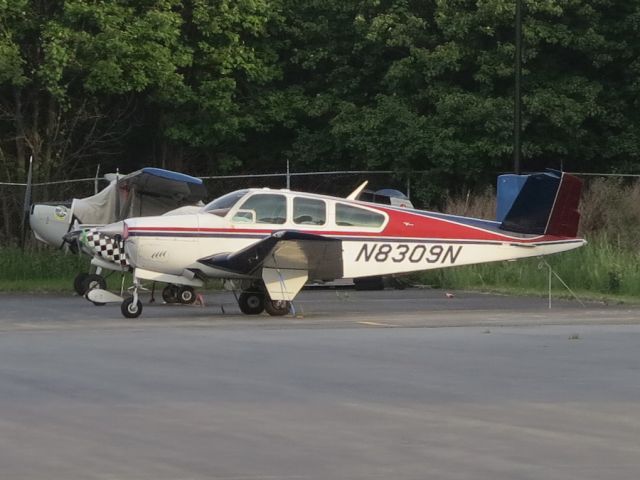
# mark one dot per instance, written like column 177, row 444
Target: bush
column 608, row 264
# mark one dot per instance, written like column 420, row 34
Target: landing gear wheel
column 277, row 308
column 186, row 295
column 369, row 283
column 130, row 309
column 170, row 294
column 93, row 281
column 78, row 283
column 251, row 303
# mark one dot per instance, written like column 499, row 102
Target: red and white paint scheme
column 274, row 241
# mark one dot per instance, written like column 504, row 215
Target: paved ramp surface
column 356, row 388
column 318, row 308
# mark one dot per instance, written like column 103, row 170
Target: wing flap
column 283, row 283
column 319, row 256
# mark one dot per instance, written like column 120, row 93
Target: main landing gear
column 179, row 294
column 85, row 282
column 255, row 299
column 88, row 281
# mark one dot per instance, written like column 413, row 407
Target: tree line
column 221, row 86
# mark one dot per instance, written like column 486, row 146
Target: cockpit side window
column 221, row 205
column 268, row 208
column 309, row 211
column 349, row 216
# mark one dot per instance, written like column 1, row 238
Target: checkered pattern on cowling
column 107, row 247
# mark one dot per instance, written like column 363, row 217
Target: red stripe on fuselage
column 400, row 225
column 416, row 225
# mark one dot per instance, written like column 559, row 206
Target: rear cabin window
column 263, row 208
column 348, row 216
column 308, row 211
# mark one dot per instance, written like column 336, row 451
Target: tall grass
column 609, row 265
column 39, row 269
column 600, row 269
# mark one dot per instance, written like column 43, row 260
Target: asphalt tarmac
column 357, row 385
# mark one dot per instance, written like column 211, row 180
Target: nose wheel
column 131, row 307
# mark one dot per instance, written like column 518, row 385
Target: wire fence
column 14, row 205
column 338, row 183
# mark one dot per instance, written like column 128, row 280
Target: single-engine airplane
column 149, row 191
column 270, row 242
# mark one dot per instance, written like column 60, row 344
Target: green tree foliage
column 232, row 60
column 211, row 86
column 73, row 74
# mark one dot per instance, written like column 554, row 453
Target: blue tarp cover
column 178, row 177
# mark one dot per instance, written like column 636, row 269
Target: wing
column 165, row 183
column 320, row 256
column 285, row 261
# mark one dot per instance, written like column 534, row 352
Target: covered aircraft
column 271, row 242
column 146, row 192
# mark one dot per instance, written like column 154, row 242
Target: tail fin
column 540, row 203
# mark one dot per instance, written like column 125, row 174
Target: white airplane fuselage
column 388, row 240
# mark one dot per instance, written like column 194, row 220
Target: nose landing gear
column 131, row 307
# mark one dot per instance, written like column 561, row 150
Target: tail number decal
column 398, row 253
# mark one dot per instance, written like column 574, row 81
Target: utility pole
column 288, row 176
column 27, row 204
column 517, row 121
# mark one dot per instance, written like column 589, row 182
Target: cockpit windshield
column 221, row 205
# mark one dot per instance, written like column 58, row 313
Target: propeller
column 71, row 240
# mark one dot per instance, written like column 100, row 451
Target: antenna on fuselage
column 357, row 191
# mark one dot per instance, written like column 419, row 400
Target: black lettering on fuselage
column 401, row 251
column 452, row 256
column 417, row 253
column 414, row 253
column 435, row 252
column 364, row 252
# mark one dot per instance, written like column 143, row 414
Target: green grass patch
column 598, row 270
column 45, row 270
column 39, row 270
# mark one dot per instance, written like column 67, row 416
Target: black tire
column 369, row 283
column 93, row 281
column 277, row 308
column 170, row 294
column 78, row 283
column 186, row 295
column 398, row 283
column 251, row 303
column 129, row 309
